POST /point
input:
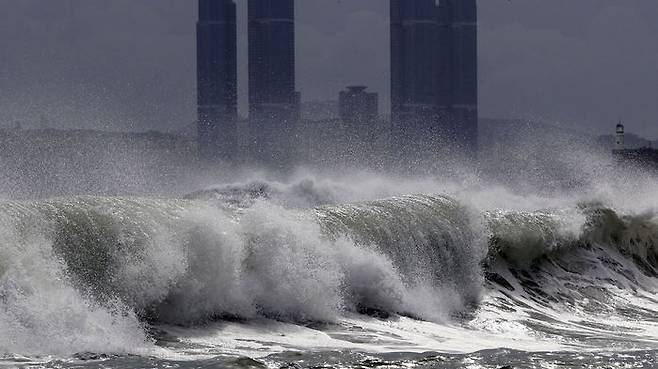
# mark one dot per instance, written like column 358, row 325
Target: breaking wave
column 92, row 274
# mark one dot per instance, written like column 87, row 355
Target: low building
column 358, row 109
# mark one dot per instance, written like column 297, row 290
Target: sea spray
column 187, row 262
column 41, row 311
column 100, row 269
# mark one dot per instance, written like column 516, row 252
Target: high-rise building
column 217, row 80
column 464, row 70
column 273, row 101
column 358, row 109
column 415, row 59
column 434, row 75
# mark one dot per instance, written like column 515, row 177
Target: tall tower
column 217, row 80
column 418, row 94
column 464, row 104
column 273, row 101
column 434, row 75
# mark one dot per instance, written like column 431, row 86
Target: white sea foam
column 41, row 312
column 94, row 270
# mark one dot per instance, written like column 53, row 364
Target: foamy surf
column 243, row 272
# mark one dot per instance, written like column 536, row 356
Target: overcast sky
column 129, row 64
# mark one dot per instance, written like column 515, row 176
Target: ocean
column 318, row 274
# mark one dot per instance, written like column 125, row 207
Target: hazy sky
column 129, row 64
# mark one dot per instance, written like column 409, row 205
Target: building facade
column 434, row 75
column 273, row 100
column 217, row 80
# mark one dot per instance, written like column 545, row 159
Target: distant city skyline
column 127, row 65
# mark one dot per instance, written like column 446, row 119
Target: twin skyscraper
column 273, row 101
column 433, row 79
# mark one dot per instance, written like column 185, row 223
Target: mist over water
column 536, row 247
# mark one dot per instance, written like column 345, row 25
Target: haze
column 129, row 65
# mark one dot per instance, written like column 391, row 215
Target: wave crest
column 115, row 261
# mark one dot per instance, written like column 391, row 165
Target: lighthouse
column 619, row 139
column 644, row 157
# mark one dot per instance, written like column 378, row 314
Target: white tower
column 619, row 141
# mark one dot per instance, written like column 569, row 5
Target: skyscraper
column 273, row 101
column 415, row 59
column 434, row 75
column 217, row 80
column 464, row 71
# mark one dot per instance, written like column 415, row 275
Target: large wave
column 94, row 272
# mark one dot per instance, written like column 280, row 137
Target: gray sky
column 129, row 64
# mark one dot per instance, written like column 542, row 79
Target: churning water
column 320, row 274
